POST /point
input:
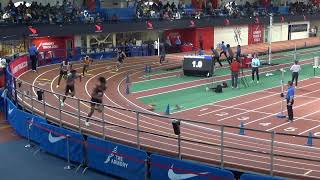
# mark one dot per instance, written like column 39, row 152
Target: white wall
column 300, row 35
column 279, row 32
column 228, row 34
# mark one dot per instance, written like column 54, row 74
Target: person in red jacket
column 235, row 68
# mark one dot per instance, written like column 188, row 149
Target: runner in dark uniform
column 64, row 69
column 70, row 90
column 97, row 97
column 162, row 55
column 121, row 57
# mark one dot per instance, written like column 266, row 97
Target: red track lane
column 210, row 134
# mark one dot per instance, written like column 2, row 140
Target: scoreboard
column 198, row 65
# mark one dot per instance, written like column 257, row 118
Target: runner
column 121, row 57
column 86, row 62
column 64, row 69
column 70, row 80
column 97, row 97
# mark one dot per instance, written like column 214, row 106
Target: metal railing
column 226, row 146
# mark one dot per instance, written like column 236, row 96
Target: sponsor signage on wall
column 19, row 65
column 256, row 33
column 298, row 27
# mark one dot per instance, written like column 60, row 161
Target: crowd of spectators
column 148, row 9
column 66, row 12
column 60, row 12
column 302, row 8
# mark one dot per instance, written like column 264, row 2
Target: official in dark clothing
column 238, row 53
column 216, row 56
column 230, row 54
column 290, row 100
column 33, row 53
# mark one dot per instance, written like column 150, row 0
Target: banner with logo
column 256, row 33
column 22, row 122
column 247, row 176
column 54, row 141
column 116, row 159
column 19, row 65
column 163, row 168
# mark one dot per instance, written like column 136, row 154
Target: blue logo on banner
column 116, row 159
column 53, row 140
column 11, row 114
column 163, row 168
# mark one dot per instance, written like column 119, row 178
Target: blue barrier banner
column 1, row 102
column 54, row 141
column 163, row 168
column 11, row 109
column 25, row 122
column 247, row 176
column 116, row 159
column 22, row 121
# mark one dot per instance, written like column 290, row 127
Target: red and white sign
column 19, row 65
column 256, row 34
column 53, row 46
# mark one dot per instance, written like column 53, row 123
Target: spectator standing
column 295, row 68
column 238, row 53
column 156, row 46
column 290, row 100
column 168, row 42
column 230, row 54
column 216, row 56
column 33, row 53
column 255, row 64
column 224, row 49
column 178, row 41
column 235, row 69
column 202, row 52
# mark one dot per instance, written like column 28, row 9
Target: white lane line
column 301, row 105
column 308, row 172
column 232, row 134
column 245, row 102
column 261, row 107
column 295, row 119
column 203, row 84
column 266, row 113
column 308, row 130
column 204, row 109
column 186, row 109
column 293, row 107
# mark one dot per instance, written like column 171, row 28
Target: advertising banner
column 54, row 140
column 256, row 33
column 116, row 159
column 163, row 168
column 19, row 65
